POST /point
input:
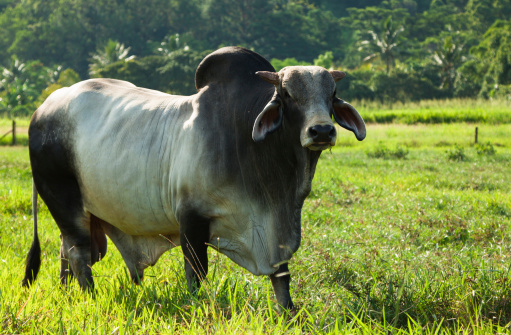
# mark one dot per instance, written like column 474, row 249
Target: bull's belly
column 140, row 223
column 135, row 207
column 135, row 224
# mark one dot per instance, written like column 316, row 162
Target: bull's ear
column 347, row 117
column 269, row 120
column 337, row 75
column 270, row 77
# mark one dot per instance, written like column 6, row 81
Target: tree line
column 392, row 50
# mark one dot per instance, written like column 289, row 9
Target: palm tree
column 112, row 52
column 172, row 43
column 449, row 57
column 20, row 84
column 385, row 45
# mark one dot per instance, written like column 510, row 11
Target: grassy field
column 405, row 232
column 438, row 111
column 474, row 111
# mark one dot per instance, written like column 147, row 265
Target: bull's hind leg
column 65, row 272
column 98, row 248
column 55, row 178
column 76, row 262
column 62, row 196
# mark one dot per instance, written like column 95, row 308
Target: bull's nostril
column 322, row 133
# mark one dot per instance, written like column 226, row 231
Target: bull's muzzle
column 321, row 137
column 322, row 134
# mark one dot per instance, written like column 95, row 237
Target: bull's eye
column 286, row 93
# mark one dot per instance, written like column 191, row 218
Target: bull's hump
column 230, row 64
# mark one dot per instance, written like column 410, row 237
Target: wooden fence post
column 13, row 132
column 476, row 135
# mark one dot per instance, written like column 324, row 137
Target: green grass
column 414, row 244
column 437, row 111
column 470, row 111
column 21, row 131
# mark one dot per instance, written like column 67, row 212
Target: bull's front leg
column 194, row 235
column 280, row 282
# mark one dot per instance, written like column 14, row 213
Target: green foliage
column 20, row 84
column 403, row 86
column 67, row 32
column 66, row 78
column 495, row 51
column 173, row 72
column 385, row 44
column 468, row 81
column 172, row 43
column 398, row 85
column 381, row 151
column 280, row 64
column 441, row 16
column 355, row 86
column 448, row 56
column 141, row 71
column 178, row 70
column 325, row 60
column 425, row 42
column 485, row 149
column 482, row 14
column 111, row 53
column 457, row 153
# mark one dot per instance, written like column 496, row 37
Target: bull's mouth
column 318, row 146
column 315, row 145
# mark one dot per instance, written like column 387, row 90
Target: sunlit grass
column 437, row 111
column 445, row 104
column 417, row 244
column 21, row 131
column 437, row 136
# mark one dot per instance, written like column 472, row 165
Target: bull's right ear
column 269, row 120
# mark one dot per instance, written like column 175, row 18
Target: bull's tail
column 34, row 255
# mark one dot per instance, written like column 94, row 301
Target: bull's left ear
column 347, row 117
column 269, row 120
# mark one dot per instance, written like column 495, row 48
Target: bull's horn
column 271, row 77
column 337, row 75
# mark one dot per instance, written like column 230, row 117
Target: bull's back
column 113, row 137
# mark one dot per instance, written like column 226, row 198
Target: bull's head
column 306, row 94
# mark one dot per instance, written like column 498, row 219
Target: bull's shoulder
column 230, row 64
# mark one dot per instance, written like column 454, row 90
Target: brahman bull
column 228, row 167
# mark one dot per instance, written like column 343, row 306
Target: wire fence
column 12, row 131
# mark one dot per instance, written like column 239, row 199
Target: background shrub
column 457, row 153
column 485, row 149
